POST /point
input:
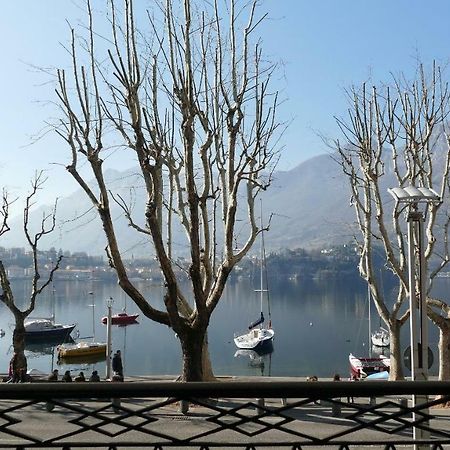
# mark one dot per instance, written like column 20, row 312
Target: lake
column 317, row 324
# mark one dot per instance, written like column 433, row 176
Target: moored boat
column 82, row 359
column 121, row 319
column 42, row 329
column 259, row 339
column 362, row 367
column 259, row 336
column 81, row 349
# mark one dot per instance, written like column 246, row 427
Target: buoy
column 310, row 324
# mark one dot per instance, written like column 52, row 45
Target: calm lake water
column 317, row 325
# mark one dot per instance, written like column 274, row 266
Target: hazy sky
column 325, row 46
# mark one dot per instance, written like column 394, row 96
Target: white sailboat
column 258, row 336
column 373, row 366
column 380, row 337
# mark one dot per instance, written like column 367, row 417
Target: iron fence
column 224, row 414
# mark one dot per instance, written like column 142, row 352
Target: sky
column 323, row 47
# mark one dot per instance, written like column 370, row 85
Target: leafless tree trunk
column 47, row 225
column 396, row 136
column 190, row 101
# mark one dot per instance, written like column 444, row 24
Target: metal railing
column 223, row 414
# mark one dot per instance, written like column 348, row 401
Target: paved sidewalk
column 229, row 420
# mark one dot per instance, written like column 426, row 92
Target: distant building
column 15, row 272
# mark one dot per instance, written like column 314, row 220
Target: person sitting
column 80, row 377
column 94, row 377
column 117, row 377
column 53, row 376
column 313, row 378
column 67, row 377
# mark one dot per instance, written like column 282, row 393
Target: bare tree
column 191, row 101
column 397, row 136
column 47, row 225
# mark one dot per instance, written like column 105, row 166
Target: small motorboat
column 363, row 367
column 121, row 319
column 81, row 349
column 42, row 329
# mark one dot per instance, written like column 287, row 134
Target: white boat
column 363, row 366
column 255, row 339
column 258, row 336
column 380, row 338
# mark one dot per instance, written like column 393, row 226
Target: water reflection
column 46, row 346
column 317, row 325
column 261, row 360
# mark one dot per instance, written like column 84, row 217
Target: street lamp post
column 109, row 304
column 412, row 197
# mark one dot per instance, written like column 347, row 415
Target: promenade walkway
column 231, row 421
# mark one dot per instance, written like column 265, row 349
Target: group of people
column 67, row 377
column 117, row 368
column 16, row 374
column 336, row 377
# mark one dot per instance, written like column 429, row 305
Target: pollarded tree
column 47, row 225
column 188, row 96
column 397, row 136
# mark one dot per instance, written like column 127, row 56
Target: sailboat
column 77, row 352
column 363, row 367
column 380, row 337
column 45, row 329
column 258, row 336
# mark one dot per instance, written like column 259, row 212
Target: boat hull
column 259, row 339
column 361, row 367
column 82, row 359
column 121, row 319
column 59, row 333
column 80, row 350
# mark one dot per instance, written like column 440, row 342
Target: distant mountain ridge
column 309, row 206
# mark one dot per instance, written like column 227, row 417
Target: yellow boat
column 82, row 359
column 81, row 349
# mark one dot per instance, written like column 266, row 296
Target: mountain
column 309, row 206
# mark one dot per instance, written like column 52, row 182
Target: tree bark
column 192, row 344
column 180, row 111
column 396, row 371
column 19, row 344
column 444, row 352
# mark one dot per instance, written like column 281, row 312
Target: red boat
column 363, row 367
column 121, row 319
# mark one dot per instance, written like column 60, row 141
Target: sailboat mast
column 261, row 274
column 370, row 321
